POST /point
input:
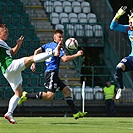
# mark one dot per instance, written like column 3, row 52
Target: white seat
column 70, row 29
column 85, row 7
column 77, row 92
column 73, row 17
column 76, row 7
column 88, row 30
column 91, row 17
column 79, row 30
column 67, row 7
column 59, row 26
column 89, row 96
column 82, row 17
column 48, row 6
column 99, row 96
column 97, row 29
column 63, row 17
column 54, row 17
column 58, row 6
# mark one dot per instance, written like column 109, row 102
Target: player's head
column 58, row 35
column 3, row 32
column 108, row 83
column 131, row 19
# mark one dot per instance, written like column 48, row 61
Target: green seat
column 24, row 19
column 2, row 6
column 12, row 29
column 2, row 92
column 6, row 18
column 30, row 30
column 9, row 41
column 35, row 42
column 39, row 68
column 34, row 81
column 3, row 81
column 27, row 42
column 28, row 89
column 59, row 95
column 15, row 18
column 19, row 7
column 21, row 30
column 8, row 93
column 9, row 7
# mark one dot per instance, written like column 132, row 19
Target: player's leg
column 41, row 57
column 69, row 100
column 13, row 104
column 119, row 76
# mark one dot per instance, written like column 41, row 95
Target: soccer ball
column 71, row 44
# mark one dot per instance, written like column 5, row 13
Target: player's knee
column 119, row 70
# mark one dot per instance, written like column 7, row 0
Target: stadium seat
column 21, row 30
column 63, row 17
column 70, row 29
column 39, row 68
column 12, row 29
column 24, row 19
column 9, row 41
column 34, row 80
column 8, row 92
column 30, row 30
column 76, row 7
column 2, row 92
column 27, row 42
column 86, row 8
column 67, row 7
column 35, row 42
column 91, row 17
column 73, row 17
column 59, row 95
column 2, row 6
column 82, row 18
column 42, row 81
column 79, row 30
column 38, row 88
column 89, row 96
column 59, row 26
column 54, row 17
column 48, row 6
column 88, row 30
column 58, row 8
column 28, row 89
column 19, row 7
column 10, row 7
column 3, row 81
column 98, row 96
column 15, row 18
column 6, row 18
column 25, row 79
column 97, row 29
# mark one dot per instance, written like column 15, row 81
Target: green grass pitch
column 68, row 125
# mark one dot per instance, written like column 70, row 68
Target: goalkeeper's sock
column 37, row 95
column 71, row 104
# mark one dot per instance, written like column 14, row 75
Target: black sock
column 119, row 76
column 71, row 104
column 37, row 95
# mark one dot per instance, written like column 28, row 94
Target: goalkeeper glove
column 130, row 16
column 120, row 12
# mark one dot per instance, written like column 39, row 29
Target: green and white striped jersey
column 5, row 56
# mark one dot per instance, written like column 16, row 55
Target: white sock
column 13, row 103
column 42, row 56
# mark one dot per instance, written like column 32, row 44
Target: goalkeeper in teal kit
column 126, row 64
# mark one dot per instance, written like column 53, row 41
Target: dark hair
column 58, row 31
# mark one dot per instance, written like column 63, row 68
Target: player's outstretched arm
column 119, row 13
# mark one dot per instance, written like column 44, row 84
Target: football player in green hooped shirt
column 11, row 68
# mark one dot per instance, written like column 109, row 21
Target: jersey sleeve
column 62, row 52
column 118, row 27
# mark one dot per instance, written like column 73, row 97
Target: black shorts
column 128, row 62
column 53, row 81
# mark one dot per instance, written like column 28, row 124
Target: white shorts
column 13, row 73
